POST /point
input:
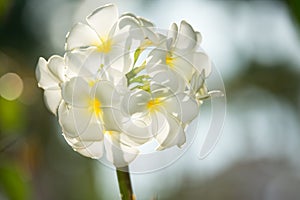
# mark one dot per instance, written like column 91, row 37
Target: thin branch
column 125, row 184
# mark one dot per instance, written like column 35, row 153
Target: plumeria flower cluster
column 123, row 83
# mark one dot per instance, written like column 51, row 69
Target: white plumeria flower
column 86, row 64
column 106, row 34
column 112, row 96
column 86, row 119
column 50, row 75
column 180, row 52
column 167, row 108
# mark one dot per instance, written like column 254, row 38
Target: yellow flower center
column 92, row 83
column 153, row 104
column 108, row 132
column 170, row 60
column 95, row 105
column 105, row 46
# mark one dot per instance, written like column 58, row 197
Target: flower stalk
column 124, row 181
column 134, row 72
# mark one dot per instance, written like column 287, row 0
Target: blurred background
column 254, row 44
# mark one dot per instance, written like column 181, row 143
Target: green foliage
column 12, row 182
column 12, row 116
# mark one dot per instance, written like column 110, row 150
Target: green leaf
column 134, row 72
column 136, row 55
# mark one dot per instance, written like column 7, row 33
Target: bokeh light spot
column 11, row 86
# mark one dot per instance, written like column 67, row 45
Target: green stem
column 134, row 72
column 125, row 184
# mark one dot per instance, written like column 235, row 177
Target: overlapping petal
column 135, row 102
column 183, row 107
column 50, row 76
column 76, row 92
column 172, row 135
column 103, row 19
column 52, row 99
column 106, row 93
column 168, row 79
column 172, row 33
column 89, row 149
column 93, row 150
column 81, row 35
column 116, row 152
column 186, row 38
column 202, row 63
column 74, row 121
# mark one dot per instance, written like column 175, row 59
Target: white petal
column 105, row 92
column 158, row 55
column 44, row 76
column 160, row 52
column 136, row 135
column 196, row 83
column 172, row 33
column 130, row 26
column 93, row 132
column 74, row 121
column 199, row 38
column 132, row 141
column 56, row 65
column 183, row 107
column 112, row 119
column 76, row 92
column 76, row 143
column 156, row 61
column 145, row 22
column 89, row 149
column 159, row 91
column 103, row 19
column 78, row 62
column 52, row 99
column 115, row 76
column 94, row 150
column 184, row 67
column 135, row 102
column 168, row 79
column 159, row 124
column 153, row 37
column 92, row 63
column 119, row 59
column 74, row 60
column 81, row 36
column 137, row 131
column 78, row 126
column 173, row 135
column 147, row 28
column 202, row 62
column 118, row 154
column 187, row 38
